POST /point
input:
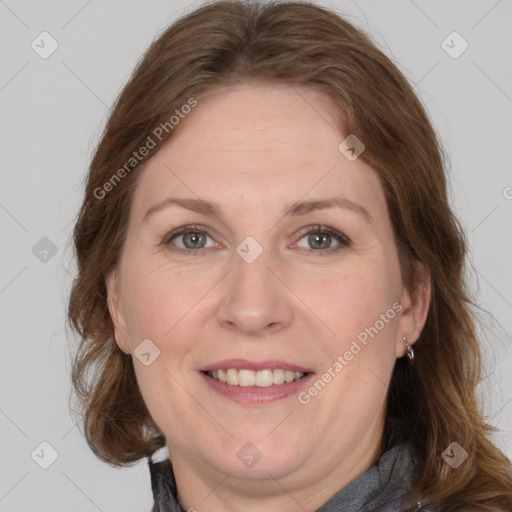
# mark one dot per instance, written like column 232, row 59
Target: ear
column 415, row 304
column 116, row 314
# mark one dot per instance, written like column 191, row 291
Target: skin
column 255, row 149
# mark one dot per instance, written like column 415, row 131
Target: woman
column 271, row 279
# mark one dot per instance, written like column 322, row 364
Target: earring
column 410, row 351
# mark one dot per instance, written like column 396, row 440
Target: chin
column 260, row 459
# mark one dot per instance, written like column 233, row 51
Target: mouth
column 261, row 379
column 255, row 383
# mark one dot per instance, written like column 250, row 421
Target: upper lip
column 255, row 366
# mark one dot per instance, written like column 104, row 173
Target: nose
column 255, row 301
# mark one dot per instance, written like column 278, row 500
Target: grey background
column 52, row 112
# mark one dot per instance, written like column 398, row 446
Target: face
column 255, row 244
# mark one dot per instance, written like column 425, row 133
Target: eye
column 320, row 238
column 189, row 238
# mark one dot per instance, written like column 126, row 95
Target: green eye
column 189, row 238
column 319, row 239
column 194, row 240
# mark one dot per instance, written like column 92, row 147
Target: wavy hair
column 299, row 44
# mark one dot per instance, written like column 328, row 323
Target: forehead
column 261, row 144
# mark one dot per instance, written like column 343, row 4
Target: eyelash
column 343, row 240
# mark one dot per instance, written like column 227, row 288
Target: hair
column 302, row 45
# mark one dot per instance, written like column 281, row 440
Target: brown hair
column 298, row 44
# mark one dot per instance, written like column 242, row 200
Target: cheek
column 156, row 299
column 357, row 299
column 362, row 310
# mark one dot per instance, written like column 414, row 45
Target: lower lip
column 253, row 395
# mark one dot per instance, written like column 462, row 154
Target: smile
column 262, row 378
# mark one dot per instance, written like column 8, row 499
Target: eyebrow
column 296, row 209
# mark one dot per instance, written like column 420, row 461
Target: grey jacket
column 382, row 488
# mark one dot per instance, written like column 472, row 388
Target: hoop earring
column 410, row 350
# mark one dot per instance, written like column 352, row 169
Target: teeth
column 232, row 377
column 264, row 378
column 278, row 376
column 261, row 379
column 246, row 377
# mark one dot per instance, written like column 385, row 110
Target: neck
column 203, row 489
